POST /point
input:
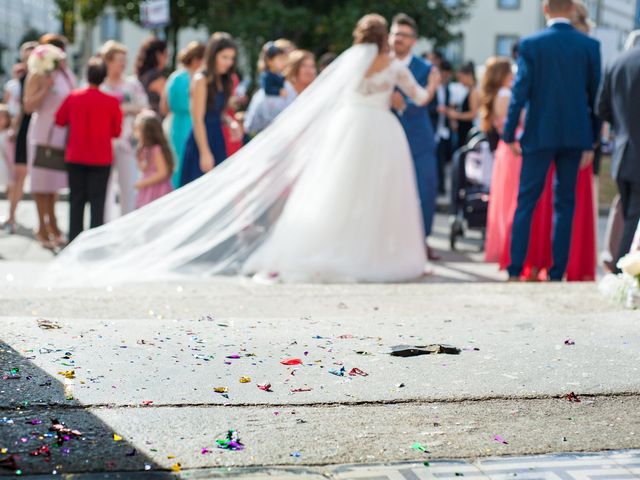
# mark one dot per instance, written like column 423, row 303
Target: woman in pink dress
column 155, row 159
column 44, row 93
column 496, row 95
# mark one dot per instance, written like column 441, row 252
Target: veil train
column 212, row 225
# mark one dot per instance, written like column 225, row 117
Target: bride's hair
column 372, row 28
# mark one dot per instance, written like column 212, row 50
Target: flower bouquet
column 45, row 59
column 625, row 287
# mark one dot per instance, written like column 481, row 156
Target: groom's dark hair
column 559, row 5
column 406, row 20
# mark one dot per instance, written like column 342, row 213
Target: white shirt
column 406, row 60
column 551, row 22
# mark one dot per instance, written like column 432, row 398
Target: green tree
column 325, row 25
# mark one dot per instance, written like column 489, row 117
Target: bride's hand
column 207, row 162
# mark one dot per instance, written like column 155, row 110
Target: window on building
column 109, row 27
column 504, row 44
column 508, row 4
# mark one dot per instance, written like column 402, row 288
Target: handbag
column 51, row 158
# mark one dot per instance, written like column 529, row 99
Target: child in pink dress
column 155, row 159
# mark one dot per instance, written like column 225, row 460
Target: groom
column 557, row 82
column 415, row 120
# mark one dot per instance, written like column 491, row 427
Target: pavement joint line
column 471, row 400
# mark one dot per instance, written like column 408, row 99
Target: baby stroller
column 471, row 180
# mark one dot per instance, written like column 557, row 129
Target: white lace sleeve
column 407, row 83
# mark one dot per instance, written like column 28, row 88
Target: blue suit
column 557, row 82
column 417, row 126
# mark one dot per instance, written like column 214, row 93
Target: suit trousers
column 427, row 177
column 124, row 176
column 535, row 167
column 86, row 184
column 630, row 199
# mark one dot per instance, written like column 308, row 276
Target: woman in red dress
column 495, row 97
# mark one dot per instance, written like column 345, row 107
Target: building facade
column 494, row 26
column 17, row 18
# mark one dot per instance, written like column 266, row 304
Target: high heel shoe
column 45, row 242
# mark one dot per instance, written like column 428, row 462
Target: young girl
column 272, row 79
column 155, row 159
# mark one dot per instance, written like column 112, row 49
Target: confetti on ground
column 176, row 467
column 45, row 324
column 68, row 374
column 221, row 389
column 569, row 341
column 245, row 379
column 231, row 442
column 572, row 397
column 499, row 439
column 116, row 437
column 356, row 371
column 265, row 387
column 418, row 446
column 291, row 361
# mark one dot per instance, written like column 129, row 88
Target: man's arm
column 604, row 108
column 520, row 94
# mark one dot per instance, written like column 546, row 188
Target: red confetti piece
column 291, row 361
column 356, row 371
column 265, row 387
column 572, row 397
column 298, row 390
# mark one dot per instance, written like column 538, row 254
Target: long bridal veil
column 212, row 225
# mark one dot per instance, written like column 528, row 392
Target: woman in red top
column 94, row 119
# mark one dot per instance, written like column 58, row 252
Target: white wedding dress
column 327, row 193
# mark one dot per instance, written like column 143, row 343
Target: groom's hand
column 397, row 102
column 515, row 148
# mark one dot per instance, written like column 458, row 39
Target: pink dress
column 155, row 191
column 42, row 131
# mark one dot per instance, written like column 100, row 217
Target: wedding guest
column 155, row 159
column 210, row 93
column 467, row 111
column 13, row 88
column 272, row 78
column 89, row 148
column 615, row 221
column 560, row 127
column 176, row 99
column 43, row 95
column 441, row 124
column 6, row 163
column 132, row 98
column 20, row 129
column 618, row 104
column 300, row 72
column 495, row 95
column 150, row 64
column 583, row 255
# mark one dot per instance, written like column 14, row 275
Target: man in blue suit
column 415, row 120
column 557, row 82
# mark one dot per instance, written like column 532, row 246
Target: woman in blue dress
column 176, row 103
column 210, row 92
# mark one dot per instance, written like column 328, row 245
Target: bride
column 326, row 194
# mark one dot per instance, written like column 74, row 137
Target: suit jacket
column 435, row 103
column 619, row 104
column 415, row 119
column 557, row 82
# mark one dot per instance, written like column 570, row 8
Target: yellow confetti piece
column 67, row 373
column 245, row 379
column 176, row 467
column 221, row 389
column 116, row 437
column 4, row 450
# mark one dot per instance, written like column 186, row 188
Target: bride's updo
column 372, row 28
